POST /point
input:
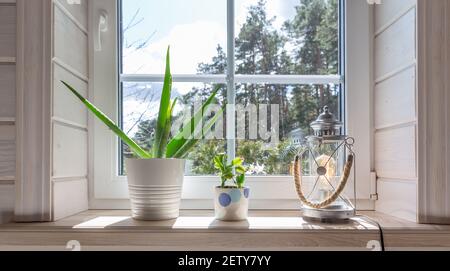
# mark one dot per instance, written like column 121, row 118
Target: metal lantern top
column 327, row 124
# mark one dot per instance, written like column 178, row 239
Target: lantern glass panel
column 323, row 162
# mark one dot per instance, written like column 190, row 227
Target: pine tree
column 262, row 49
column 314, row 31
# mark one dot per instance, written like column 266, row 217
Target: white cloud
column 137, row 107
column 190, row 44
column 281, row 9
column 196, row 42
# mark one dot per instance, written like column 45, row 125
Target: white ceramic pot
column 155, row 187
column 231, row 204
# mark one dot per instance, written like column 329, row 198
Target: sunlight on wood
column 276, row 222
column 101, row 222
column 193, row 223
column 209, row 222
column 250, row 223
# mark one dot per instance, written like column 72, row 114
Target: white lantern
column 323, row 170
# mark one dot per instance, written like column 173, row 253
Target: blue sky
column 193, row 28
column 162, row 16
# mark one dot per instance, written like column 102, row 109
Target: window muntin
column 298, row 57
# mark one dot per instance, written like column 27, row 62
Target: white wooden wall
column 7, row 107
column 69, row 116
column 51, row 149
column 395, row 110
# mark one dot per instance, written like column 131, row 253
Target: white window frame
column 109, row 191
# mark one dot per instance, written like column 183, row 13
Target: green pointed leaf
column 237, row 161
column 159, row 144
column 168, row 127
column 188, row 130
column 184, row 149
column 111, row 125
column 240, row 180
column 218, row 162
column 240, row 169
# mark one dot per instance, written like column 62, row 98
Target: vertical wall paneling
column 399, row 197
column 6, row 202
column 396, row 153
column 70, row 196
column 7, row 159
column 51, row 156
column 52, row 149
column 67, row 107
column 395, row 100
column 33, row 112
column 394, row 103
column 7, row 108
column 70, row 42
column 7, row 154
column 7, row 29
column 78, row 12
column 69, row 129
column 7, row 90
column 69, row 152
column 395, row 46
column 390, row 11
column 358, row 62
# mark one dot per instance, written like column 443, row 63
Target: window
column 278, row 54
column 288, row 53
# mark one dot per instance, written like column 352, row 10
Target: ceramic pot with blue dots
column 231, row 203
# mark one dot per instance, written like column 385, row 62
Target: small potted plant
column 231, row 201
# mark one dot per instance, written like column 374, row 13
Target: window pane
column 195, row 30
column 298, row 37
column 278, row 134
column 287, row 37
column 140, row 108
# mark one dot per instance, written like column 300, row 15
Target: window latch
column 102, row 21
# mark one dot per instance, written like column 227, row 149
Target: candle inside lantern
column 326, row 170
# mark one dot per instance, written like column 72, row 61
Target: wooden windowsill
column 197, row 230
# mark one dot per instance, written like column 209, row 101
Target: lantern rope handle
column 332, row 198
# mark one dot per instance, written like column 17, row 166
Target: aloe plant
column 233, row 170
column 163, row 146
